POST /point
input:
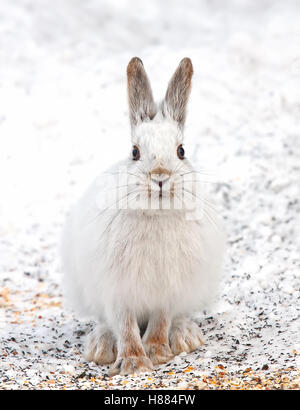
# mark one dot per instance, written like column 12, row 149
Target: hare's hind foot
column 101, row 346
column 185, row 336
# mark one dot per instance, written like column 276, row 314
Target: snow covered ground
column 64, row 118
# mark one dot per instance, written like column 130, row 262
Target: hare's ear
column 178, row 92
column 141, row 104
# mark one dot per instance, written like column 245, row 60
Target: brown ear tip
column 133, row 63
column 136, row 60
column 187, row 62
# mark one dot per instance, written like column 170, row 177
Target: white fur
column 141, row 260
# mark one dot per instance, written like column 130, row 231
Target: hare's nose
column 160, row 175
column 160, row 171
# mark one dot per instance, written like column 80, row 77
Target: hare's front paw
column 131, row 365
column 185, row 336
column 157, row 352
column 101, row 346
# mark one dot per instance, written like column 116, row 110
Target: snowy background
column 64, row 118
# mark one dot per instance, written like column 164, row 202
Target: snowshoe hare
column 138, row 257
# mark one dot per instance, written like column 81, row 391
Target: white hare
column 141, row 271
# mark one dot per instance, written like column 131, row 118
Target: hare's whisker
column 206, row 211
column 201, row 172
column 202, row 199
column 122, row 173
column 116, row 215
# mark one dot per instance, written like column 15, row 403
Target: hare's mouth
column 161, row 188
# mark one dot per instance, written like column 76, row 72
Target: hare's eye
column 180, row 152
column 135, row 153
